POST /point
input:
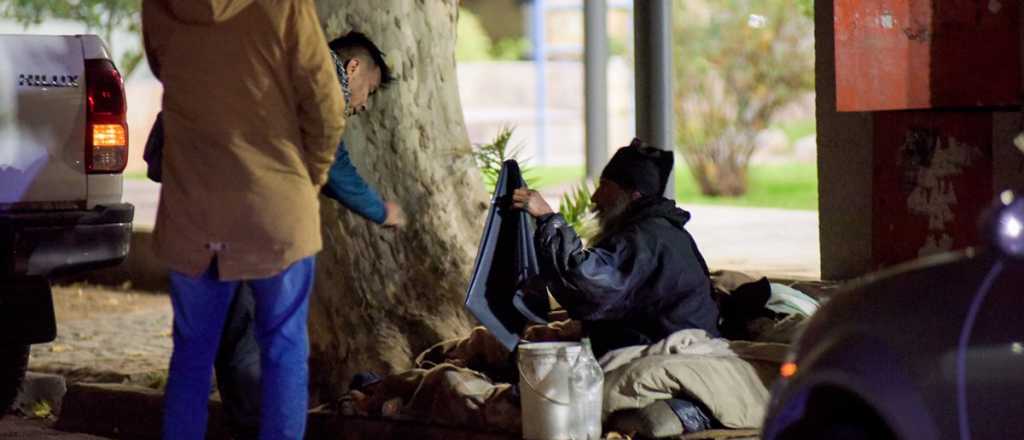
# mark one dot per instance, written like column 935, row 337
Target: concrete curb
column 124, row 411
column 128, row 412
column 14, row 427
column 39, row 388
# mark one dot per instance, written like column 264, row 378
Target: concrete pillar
column 845, row 155
column 595, row 84
column 652, row 33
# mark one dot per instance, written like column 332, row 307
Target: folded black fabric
column 506, row 292
column 742, row 306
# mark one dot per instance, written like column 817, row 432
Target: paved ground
column 103, row 335
column 773, row 242
column 106, row 335
column 15, row 427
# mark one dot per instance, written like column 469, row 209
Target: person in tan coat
column 252, row 117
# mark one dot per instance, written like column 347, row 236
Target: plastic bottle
column 557, row 388
column 586, row 385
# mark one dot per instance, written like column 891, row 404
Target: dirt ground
column 83, row 301
column 107, row 335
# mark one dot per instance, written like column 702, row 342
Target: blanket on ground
column 731, row 378
column 468, row 382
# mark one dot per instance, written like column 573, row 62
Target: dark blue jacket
column 643, row 281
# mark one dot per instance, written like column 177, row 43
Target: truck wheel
column 13, row 363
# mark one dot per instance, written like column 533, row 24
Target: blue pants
column 200, row 308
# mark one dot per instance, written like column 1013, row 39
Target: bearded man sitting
column 643, row 277
column 641, row 280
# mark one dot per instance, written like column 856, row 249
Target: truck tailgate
column 42, row 120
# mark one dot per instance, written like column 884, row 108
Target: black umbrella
column 506, row 291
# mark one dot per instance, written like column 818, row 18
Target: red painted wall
column 932, row 178
column 912, row 54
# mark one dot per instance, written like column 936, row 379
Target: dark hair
column 353, row 44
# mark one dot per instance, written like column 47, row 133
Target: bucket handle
column 524, row 378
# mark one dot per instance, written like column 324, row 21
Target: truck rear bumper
column 49, row 243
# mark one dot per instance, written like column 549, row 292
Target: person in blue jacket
column 361, row 71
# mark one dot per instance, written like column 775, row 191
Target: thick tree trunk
column 383, row 295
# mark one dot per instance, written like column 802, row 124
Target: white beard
column 610, row 215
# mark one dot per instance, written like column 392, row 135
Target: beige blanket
column 731, row 378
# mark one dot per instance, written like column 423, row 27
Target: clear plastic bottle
column 586, row 386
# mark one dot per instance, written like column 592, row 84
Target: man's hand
column 395, row 217
column 530, row 201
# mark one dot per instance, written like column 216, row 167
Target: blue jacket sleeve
column 345, row 185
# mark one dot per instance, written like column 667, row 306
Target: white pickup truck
column 63, row 147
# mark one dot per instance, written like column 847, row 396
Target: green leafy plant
column 489, row 158
column 575, row 204
column 618, row 47
column 103, row 16
column 472, row 43
column 738, row 63
column 156, row 380
column 41, row 410
column 806, row 7
column 575, row 207
column 510, row 49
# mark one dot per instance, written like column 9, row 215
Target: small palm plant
column 575, row 207
column 575, row 204
column 490, row 157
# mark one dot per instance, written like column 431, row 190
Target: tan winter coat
column 252, row 114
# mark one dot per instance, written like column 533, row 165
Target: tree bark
column 384, row 295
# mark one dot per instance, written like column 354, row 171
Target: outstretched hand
column 395, row 215
column 530, row 201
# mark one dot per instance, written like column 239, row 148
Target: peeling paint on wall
column 886, row 20
column 932, row 179
column 994, row 6
column 919, row 35
column 933, row 166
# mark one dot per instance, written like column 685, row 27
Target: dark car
column 930, row 350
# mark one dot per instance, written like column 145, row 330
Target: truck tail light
column 106, row 134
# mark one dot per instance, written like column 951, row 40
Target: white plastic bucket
column 544, row 390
